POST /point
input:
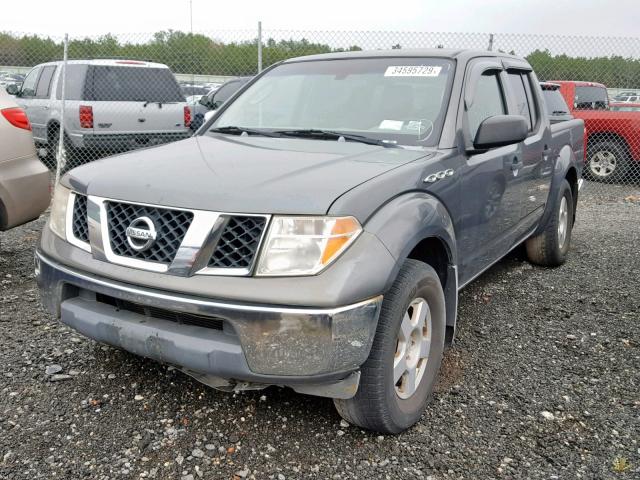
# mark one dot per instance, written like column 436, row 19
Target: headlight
column 58, row 215
column 305, row 245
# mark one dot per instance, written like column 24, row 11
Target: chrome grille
column 171, row 226
column 238, row 243
column 80, row 224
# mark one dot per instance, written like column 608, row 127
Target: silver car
column 24, row 180
column 111, row 105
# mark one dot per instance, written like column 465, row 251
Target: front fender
column 404, row 222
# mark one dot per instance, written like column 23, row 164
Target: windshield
column 591, row 98
column 189, row 90
column 394, row 99
column 554, row 101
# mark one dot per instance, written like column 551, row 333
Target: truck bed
column 570, row 132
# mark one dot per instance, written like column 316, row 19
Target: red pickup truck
column 612, row 138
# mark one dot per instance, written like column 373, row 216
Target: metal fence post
column 259, row 47
column 61, row 152
column 490, row 48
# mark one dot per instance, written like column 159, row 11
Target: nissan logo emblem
column 141, row 234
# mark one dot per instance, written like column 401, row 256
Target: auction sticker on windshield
column 413, row 71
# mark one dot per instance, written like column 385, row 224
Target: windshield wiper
column 329, row 134
column 234, row 130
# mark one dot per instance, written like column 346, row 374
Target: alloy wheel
column 603, row 163
column 563, row 222
column 412, row 348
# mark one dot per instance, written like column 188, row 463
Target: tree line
column 200, row 54
column 182, row 52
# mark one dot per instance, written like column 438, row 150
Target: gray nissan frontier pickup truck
column 315, row 232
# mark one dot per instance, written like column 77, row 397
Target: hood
column 240, row 174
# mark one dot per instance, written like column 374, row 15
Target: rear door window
column 131, row 84
column 44, row 83
column 520, row 96
column 534, row 107
column 74, row 82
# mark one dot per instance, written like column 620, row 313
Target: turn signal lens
column 341, row 233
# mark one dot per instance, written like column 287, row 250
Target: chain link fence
column 91, row 97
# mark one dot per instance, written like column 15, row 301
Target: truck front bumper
column 260, row 344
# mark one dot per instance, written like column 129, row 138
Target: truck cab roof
column 450, row 53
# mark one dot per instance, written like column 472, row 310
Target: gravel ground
column 542, row 383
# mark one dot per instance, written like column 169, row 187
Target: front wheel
column 49, row 152
column 398, row 377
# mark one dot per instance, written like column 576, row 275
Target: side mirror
column 500, row 130
column 208, row 115
column 204, row 101
column 12, row 89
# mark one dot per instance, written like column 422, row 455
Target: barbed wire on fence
column 115, row 100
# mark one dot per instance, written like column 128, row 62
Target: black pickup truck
column 316, row 231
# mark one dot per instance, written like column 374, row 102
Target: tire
column 51, row 160
column 53, row 139
column 378, row 405
column 551, row 247
column 607, row 161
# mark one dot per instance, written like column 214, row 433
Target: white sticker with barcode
column 391, row 125
column 413, row 71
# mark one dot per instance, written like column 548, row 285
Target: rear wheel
column 550, row 248
column 398, row 377
column 607, row 161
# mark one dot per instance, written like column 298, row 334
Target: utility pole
column 193, row 75
column 61, row 153
column 259, row 47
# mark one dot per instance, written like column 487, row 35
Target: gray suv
column 316, row 231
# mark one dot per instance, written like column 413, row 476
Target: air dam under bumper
column 260, row 344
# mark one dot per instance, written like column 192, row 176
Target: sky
column 620, row 18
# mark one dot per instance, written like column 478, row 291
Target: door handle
column 46, row 107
